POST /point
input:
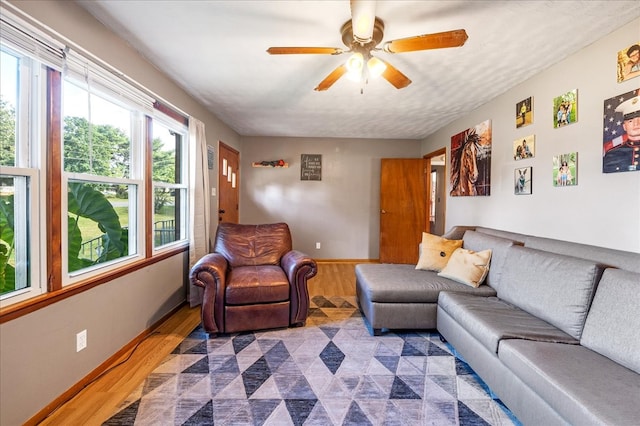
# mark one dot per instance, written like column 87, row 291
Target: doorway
column 403, row 202
column 228, row 184
column 436, row 191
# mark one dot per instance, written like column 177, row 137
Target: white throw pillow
column 467, row 266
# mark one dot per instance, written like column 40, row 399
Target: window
column 103, row 194
column 169, row 188
column 106, row 208
column 19, row 177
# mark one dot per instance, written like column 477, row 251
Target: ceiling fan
column 362, row 35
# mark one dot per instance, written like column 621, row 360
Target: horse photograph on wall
column 471, row 161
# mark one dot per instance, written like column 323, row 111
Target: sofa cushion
column 467, row 266
column 553, row 287
column 605, row 256
column 613, row 323
column 435, row 252
column 583, row 386
column 490, row 320
column 477, row 241
column 398, row 283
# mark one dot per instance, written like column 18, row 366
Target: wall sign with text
column 311, row 167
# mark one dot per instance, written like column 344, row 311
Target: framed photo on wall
column 565, row 169
column 524, row 148
column 565, row 109
column 471, row 161
column 629, row 62
column 522, row 180
column 621, row 133
column 524, row 112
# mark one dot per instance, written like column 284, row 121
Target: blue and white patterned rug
column 330, row 372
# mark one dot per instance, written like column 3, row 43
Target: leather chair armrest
column 298, row 267
column 210, row 268
column 210, row 272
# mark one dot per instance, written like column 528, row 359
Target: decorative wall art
column 270, row 163
column 524, row 147
column 565, row 169
column 522, row 180
column 471, row 161
column 629, row 62
column 621, row 133
column 565, row 109
column 524, row 112
column 210, row 154
column 311, row 167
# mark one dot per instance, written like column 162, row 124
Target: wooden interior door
column 403, row 204
column 228, row 184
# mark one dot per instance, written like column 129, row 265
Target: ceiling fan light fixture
column 376, row 67
column 363, row 15
column 355, row 65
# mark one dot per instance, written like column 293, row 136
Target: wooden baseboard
column 347, row 260
column 98, row 371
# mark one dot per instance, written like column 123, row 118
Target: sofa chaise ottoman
column 399, row 296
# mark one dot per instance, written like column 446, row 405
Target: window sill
column 25, row 307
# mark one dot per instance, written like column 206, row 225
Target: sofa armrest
column 298, row 267
column 210, row 273
column 457, row 232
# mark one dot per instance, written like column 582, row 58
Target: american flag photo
column 614, row 136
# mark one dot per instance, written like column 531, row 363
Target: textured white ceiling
column 215, row 50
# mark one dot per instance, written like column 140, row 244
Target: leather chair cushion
column 244, row 245
column 256, row 284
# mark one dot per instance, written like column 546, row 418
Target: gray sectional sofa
column 554, row 331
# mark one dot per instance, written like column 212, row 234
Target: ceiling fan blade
column 331, row 78
column 305, row 50
column 453, row 38
column 395, row 77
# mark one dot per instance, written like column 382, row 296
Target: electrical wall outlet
column 81, row 340
column 318, row 245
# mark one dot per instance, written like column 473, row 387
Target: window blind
column 27, row 41
column 102, row 79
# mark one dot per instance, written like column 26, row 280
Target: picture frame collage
column 621, row 136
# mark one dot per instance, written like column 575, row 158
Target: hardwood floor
column 100, row 399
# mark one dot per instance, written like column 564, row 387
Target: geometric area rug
column 329, row 372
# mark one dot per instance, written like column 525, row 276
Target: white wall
column 341, row 211
column 603, row 209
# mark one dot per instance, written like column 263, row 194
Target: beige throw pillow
column 435, row 252
column 467, row 266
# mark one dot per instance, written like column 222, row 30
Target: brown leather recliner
column 253, row 280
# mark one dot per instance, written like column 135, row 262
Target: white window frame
column 136, row 237
column 183, row 131
column 30, row 139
